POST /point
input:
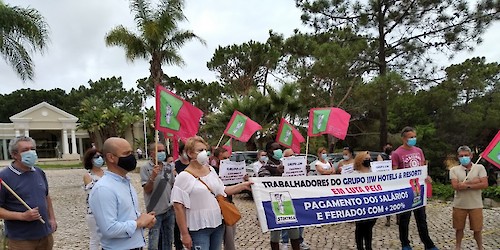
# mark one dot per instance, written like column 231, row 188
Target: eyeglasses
column 97, row 156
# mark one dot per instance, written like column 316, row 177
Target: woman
column 348, row 158
column 323, row 166
column 197, row 211
column 273, row 167
column 93, row 162
column 364, row 228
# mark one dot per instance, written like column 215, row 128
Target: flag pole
column 307, row 146
column 19, row 199
column 478, row 159
column 145, row 137
column 467, row 176
column 220, row 140
column 168, row 146
column 156, row 147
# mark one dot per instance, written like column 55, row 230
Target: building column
column 65, row 142
column 27, row 132
column 18, row 133
column 5, row 153
column 80, row 146
column 73, row 142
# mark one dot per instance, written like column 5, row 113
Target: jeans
column 285, row 238
column 229, row 236
column 208, row 238
column 423, row 231
column 162, row 233
column 292, row 232
column 364, row 234
column 94, row 236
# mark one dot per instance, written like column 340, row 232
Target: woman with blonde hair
column 197, row 211
column 364, row 228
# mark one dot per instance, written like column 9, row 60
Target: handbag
column 229, row 211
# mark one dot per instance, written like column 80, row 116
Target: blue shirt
column 114, row 203
column 33, row 188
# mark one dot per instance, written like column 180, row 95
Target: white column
column 5, row 153
column 26, row 132
column 80, row 145
column 65, row 142
column 73, row 142
column 18, row 133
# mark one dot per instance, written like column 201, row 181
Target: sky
column 77, row 52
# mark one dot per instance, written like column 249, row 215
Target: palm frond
column 134, row 46
column 18, row 58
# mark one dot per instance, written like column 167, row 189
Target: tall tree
column 402, row 34
column 159, row 38
column 22, row 31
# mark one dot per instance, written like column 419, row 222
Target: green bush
column 492, row 192
column 442, row 191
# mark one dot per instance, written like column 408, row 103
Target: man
column 385, row 156
column 261, row 161
column 408, row 156
column 284, row 233
column 114, row 202
column 468, row 179
column 180, row 165
column 139, row 153
column 157, row 181
column 24, row 228
column 221, row 154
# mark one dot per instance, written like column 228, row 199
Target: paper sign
column 231, row 172
column 380, row 166
column 294, row 166
column 347, row 169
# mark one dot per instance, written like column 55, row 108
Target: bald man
column 288, row 152
column 114, row 202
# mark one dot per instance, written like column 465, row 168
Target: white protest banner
column 294, row 166
column 290, row 202
column 381, row 166
column 231, row 172
column 347, row 169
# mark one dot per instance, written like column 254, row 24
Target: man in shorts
column 468, row 180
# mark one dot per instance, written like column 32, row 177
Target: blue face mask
column 412, row 142
column 464, row 160
column 28, row 158
column 264, row 159
column 323, row 156
column 278, row 154
column 161, row 156
column 98, row 162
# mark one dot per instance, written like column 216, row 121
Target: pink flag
column 492, row 152
column 228, row 146
column 240, row 127
column 333, row 121
column 289, row 137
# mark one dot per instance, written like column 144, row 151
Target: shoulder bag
column 229, row 210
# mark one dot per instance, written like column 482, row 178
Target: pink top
column 408, row 158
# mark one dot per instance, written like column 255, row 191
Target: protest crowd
column 188, row 194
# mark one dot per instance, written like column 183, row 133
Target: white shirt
column 202, row 209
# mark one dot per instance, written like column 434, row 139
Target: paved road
column 69, row 204
column 341, row 236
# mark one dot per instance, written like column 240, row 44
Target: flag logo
column 320, row 120
column 492, row 152
column 170, row 109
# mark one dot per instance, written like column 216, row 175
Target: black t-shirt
column 179, row 166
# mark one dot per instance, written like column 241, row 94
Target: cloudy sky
column 77, row 52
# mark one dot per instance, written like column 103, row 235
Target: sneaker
column 304, row 246
column 406, row 248
column 283, row 246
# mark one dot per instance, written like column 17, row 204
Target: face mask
column 412, row 142
column 264, row 159
column 28, row 158
column 185, row 156
column 278, row 154
column 202, row 158
column 208, row 153
column 464, row 160
column 161, row 156
column 346, row 157
column 127, row 162
column 323, row 156
column 98, row 162
column 366, row 163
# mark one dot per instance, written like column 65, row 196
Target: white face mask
column 202, row 158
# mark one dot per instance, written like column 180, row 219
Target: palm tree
column 159, row 37
column 22, row 31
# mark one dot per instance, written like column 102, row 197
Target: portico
column 54, row 130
